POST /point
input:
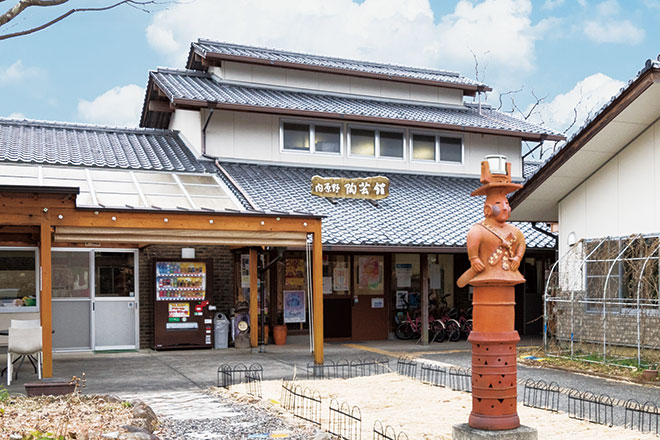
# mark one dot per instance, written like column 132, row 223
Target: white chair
column 25, row 340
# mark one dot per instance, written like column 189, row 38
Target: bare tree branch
column 510, row 92
column 535, row 105
column 24, row 4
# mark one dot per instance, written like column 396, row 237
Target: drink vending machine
column 183, row 316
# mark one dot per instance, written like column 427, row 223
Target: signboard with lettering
column 373, row 188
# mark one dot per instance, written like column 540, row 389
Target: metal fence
column 541, row 395
column 460, row 379
column 595, row 408
column 433, row 374
column 406, row 366
column 253, row 378
column 345, row 369
column 642, row 417
column 304, row 403
column 387, row 432
column 228, row 375
column 345, row 421
column 601, row 302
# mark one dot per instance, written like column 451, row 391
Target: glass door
column 72, row 303
column 114, row 307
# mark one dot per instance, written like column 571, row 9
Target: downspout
column 206, row 124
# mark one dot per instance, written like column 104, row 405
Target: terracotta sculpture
column 495, row 249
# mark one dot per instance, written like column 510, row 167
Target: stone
column 137, row 436
column 143, row 416
column 111, row 435
column 466, row 432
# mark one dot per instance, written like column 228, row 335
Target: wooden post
column 254, row 295
column 45, row 305
column 317, row 291
column 424, row 266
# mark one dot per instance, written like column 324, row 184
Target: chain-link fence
column 601, row 302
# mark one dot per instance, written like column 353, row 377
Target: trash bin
column 221, row 328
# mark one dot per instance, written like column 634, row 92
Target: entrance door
column 72, row 303
column 114, row 307
column 369, row 309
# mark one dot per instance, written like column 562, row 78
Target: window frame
column 312, row 138
column 37, row 282
column 377, row 129
column 437, row 136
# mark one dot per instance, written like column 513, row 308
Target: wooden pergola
column 49, row 214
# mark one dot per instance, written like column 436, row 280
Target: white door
column 114, row 303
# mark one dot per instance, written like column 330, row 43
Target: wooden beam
column 45, row 304
column 424, row 265
column 254, row 295
column 317, row 295
column 160, row 106
column 194, row 233
column 66, row 238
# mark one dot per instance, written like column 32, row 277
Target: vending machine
column 182, row 310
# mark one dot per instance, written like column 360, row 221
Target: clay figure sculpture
column 495, row 250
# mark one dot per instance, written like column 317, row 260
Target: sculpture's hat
column 495, row 181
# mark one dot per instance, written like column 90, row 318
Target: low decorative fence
column 345, row 369
column 253, row 378
column 345, row 421
column 595, row 408
column 406, row 366
column 541, row 395
column 642, row 417
column 433, row 374
column 304, row 403
column 460, row 379
column 387, row 432
column 228, row 375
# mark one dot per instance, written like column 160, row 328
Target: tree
column 22, row 5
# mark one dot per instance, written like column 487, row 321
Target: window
column 18, row 280
column 376, row 142
column 296, row 136
column 311, row 138
column 437, row 148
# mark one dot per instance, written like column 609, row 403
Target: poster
column 403, row 275
column 294, row 306
column 245, row 270
column 340, row 279
column 327, row 285
column 370, row 274
column 295, row 273
column 436, row 275
column 401, row 299
column 377, row 303
column 178, row 310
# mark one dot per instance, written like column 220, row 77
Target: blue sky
column 93, row 67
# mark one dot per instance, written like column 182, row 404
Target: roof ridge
column 84, row 126
column 349, row 60
column 180, row 70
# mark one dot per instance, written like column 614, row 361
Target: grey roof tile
column 422, row 210
column 61, row 143
column 199, row 86
column 205, row 47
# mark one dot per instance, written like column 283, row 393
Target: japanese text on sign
column 373, row 188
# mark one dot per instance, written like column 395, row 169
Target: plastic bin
column 221, row 330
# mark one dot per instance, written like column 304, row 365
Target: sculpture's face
column 497, row 206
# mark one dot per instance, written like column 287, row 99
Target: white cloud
column 606, row 27
column 16, row 115
column 500, row 32
column 551, row 4
column 586, row 98
column 17, row 72
column 119, row 106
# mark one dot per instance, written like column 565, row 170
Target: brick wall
column 223, row 281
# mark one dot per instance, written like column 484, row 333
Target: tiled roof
column 206, row 47
column 530, row 167
column 202, row 87
column 422, row 210
column 62, row 143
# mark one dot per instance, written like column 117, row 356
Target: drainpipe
column 206, row 124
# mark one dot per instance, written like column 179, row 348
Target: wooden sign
column 373, row 188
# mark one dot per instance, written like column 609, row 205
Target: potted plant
column 279, row 332
column 651, row 373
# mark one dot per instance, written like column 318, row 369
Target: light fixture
column 45, row 209
column 277, row 218
column 211, row 221
column 263, row 222
column 571, row 239
column 114, row 219
column 96, row 213
column 60, row 216
column 166, row 220
column 496, row 163
column 305, row 224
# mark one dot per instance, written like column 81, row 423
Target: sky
column 570, row 56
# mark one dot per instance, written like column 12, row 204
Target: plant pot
column 649, row 375
column 51, row 387
column 279, row 333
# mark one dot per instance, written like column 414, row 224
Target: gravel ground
column 252, row 420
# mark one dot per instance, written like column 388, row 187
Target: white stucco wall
column 619, row 199
column 336, row 83
column 189, row 123
column 256, row 137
